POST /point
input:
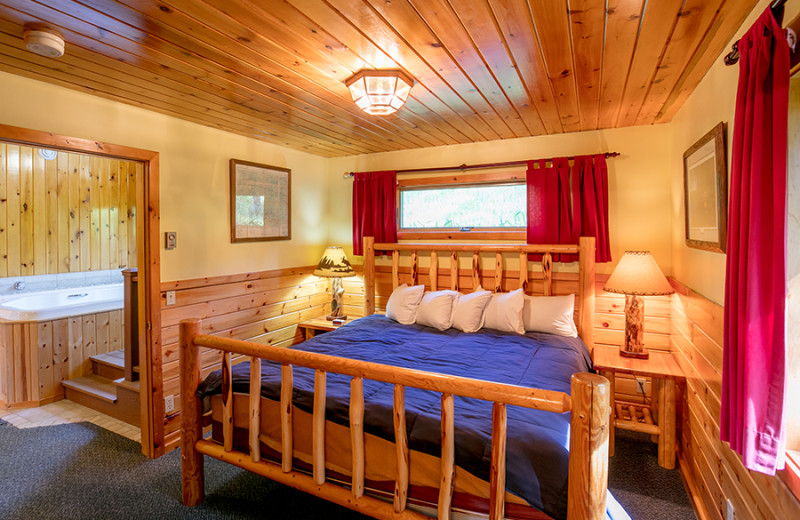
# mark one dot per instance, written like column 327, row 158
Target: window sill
column 791, row 474
column 463, row 235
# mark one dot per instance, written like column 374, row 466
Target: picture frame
column 705, row 180
column 260, row 202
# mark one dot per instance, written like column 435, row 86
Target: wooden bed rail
column 589, row 405
column 585, row 249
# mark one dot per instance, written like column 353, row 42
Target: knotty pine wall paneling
column 35, row 357
column 263, row 307
column 715, row 473
column 72, row 213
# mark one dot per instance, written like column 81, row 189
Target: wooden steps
column 106, row 389
column 110, row 365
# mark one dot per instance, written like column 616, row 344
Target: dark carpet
column 81, row 471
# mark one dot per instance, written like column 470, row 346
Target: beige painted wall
column 639, row 180
column 713, row 100
column 194, row 176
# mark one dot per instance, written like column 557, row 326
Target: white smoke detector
column 44, row 42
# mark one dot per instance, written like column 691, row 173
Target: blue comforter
column 538, row 441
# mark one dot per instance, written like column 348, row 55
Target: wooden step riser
column 108, row 371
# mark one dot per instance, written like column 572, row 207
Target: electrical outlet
column 170, row 297
column 730, row 514
column 169, row 404
column 641, row 384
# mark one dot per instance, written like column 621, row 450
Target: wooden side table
column 310, row 327
column 665, row 371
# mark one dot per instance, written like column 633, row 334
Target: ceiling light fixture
column 379, row 92
column 44, row 41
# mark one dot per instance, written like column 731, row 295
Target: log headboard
column 528, row 280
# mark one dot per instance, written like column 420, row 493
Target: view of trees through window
column 492, row 206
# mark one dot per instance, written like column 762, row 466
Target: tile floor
column 64, row 412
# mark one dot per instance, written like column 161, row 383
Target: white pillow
column 468, row 311
column 403, row 303
column 504, row 312
column 436, row 309
column 552, row 314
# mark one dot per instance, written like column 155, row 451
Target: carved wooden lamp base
column 336, row 301
column 634, row 328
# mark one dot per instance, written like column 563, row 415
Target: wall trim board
column 148, row 261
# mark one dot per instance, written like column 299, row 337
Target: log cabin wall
column 263, row 307
column 715, row 473
column 72, row 213
column 35, row 357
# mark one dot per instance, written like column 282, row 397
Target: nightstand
column 310, row 327
column 663, row 368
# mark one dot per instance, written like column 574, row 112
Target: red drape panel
column 564, row 205
column 543, row 204
column 590, row 177
column 755, row 287
column 374, row 208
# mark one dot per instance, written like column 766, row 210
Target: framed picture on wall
column 260, row 202
column 705, row 177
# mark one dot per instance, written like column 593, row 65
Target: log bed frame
column 589, row 402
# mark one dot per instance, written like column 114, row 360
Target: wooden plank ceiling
column 484, row 69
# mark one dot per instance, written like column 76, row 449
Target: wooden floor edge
column 692, row 490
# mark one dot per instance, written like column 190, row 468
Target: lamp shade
column 379, row 92
column 334, row 264
column 637, row 273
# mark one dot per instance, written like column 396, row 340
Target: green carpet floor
column 81, row 471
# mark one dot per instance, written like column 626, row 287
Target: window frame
column 462, row 181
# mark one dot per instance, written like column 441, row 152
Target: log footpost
column 192, row 484
column 588, row 450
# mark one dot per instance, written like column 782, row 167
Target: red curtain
column 374, row 208
column 755, row 286
column 565, row 204
column 590, row 192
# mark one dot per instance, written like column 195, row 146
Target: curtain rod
column 732, row 58
column 463, row 167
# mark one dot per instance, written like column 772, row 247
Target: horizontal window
column 463, row 207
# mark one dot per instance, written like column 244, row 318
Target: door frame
column 148, row 253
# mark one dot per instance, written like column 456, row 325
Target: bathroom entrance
column 71, row 239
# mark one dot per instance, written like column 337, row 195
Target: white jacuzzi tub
column 61, row 303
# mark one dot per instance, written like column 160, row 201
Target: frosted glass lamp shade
column 379, row 92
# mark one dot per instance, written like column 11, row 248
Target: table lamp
column 636, row 275
column 334, row 265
